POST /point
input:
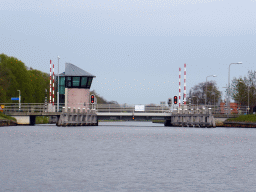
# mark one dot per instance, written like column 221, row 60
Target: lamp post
column 206, row 87
column 19, row 99
column 229, row 84
column 58, row 93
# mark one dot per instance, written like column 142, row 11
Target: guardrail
column 116, row 108
column 27, row 107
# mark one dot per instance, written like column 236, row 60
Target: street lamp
column 206, row 87
column 229, row 84
column 19, row 99
column 58, row 93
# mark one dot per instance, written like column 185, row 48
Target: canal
column 127, row 156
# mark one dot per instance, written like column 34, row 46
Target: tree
column 14, row 75
column 244, row 90
column 39, row 82
column 6, row 79
column 198, row 93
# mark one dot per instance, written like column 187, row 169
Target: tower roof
column 72, row 70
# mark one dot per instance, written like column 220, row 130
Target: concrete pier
column 78, row 118
column 191, row 118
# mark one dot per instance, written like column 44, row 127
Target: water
column 126, row 156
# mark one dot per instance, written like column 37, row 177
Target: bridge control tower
column 74, row 87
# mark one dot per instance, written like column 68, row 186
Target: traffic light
column 169, row 101
column 92, row 99
column 175, row 99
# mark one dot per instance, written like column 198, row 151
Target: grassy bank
column 246, row 121
column 243, row 118
column 7, row 120
column 158, row 121
column 5, row 117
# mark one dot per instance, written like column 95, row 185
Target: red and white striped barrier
column 52, row 84
column 179, row 86
column 185, row 91
column 50, row 91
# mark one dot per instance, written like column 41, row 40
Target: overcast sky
column 134, row 47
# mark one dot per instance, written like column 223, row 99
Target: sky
column 134, row 47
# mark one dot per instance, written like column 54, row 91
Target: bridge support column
column 32, row 120
column 199, row 120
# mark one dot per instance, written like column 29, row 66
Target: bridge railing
column 103, row 108
column 116, row 108
column 27, row 107
column 214, row 109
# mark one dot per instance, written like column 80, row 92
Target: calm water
column 127, row 156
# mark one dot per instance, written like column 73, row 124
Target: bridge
column 187, row 113
column 103, row 111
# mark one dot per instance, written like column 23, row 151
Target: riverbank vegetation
column 42, row 120
column 3, row 116
column 243, row 118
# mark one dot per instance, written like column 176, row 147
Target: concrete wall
column 22, row 120
column 77, row 98
column 220, row 120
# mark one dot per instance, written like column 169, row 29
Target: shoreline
column 7, row 122
column 235, row 124
column 239, row 124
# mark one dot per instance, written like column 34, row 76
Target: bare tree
column 198, row 93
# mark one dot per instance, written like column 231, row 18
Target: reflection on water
column 126, row 156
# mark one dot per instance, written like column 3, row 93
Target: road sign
column 15, row 98
column 139, row 107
